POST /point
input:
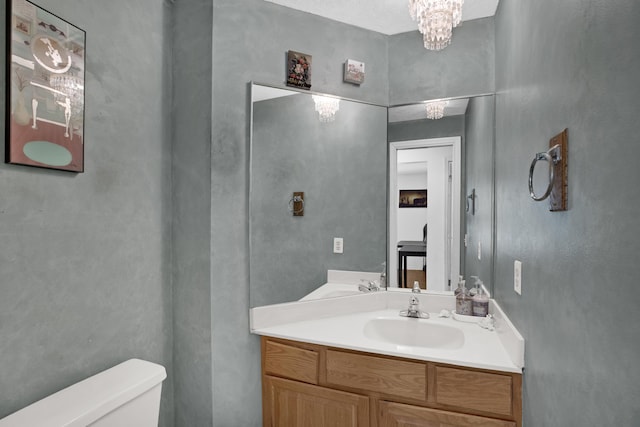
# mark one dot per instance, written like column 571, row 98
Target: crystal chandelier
column 436, row 20
column 435, row 109
column 326, row 107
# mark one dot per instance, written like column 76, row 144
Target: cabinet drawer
column 290, row 362
column 388, row 376
column 479, row 391
column 400, row 415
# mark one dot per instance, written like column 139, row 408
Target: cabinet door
column 400, row 415
column 293, row 404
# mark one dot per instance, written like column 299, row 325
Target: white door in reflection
column 432, row 165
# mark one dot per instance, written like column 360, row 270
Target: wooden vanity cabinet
column 292, row 403
column 311, row 385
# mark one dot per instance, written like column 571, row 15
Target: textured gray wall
column 572, row 65
column 85, row 257
column 425, row 129
column 463, row 68
column 250, row 38
column 191, row 154
column 479, row 141
column 341, row 166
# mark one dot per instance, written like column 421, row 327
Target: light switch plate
column 517, row 277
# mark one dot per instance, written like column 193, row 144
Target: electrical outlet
column 338, row 247
column 517, row 277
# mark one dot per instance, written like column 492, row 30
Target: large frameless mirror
column 347, row 186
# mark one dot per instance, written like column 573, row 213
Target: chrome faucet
column 371, row 286
column 414, row 305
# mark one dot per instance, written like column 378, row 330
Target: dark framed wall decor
column 412, row 199
column 44, row 89
column 299, row 70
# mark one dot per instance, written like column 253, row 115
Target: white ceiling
column 383, row 16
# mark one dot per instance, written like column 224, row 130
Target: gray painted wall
column 479, row 141
column 425, row 129
column 572, row 65
column 341, row 166
column 85, row 257
column 191, row 211
column 463, row 68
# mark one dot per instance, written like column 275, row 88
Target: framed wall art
column 412, row 199
column 44, row 89
column 298, row 70
column 354, row 72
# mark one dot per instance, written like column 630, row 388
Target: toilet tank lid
column 88, row 400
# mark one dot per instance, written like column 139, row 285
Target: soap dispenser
column 383, row 276
column 480, row 302
column 463, row 301
column 460, row 287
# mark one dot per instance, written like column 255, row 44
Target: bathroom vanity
column 353, row 361
column 312, row 385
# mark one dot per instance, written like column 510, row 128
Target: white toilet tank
column 127, row 395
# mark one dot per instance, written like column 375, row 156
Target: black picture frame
column 45, row 95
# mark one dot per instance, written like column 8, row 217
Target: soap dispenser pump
column 460, row 287
column 463, row 301
column 383, row 276
column 474, row 290
column 480, row 301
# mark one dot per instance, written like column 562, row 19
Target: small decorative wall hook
column 296, row 204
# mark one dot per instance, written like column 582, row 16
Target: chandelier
column 435, row 109
column 326, row 107
column 436, row 20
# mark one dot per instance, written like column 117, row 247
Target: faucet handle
column 416, row 287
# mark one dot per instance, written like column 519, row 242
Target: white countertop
column 339, row 322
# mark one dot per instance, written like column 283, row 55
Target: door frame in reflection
column 436, row 247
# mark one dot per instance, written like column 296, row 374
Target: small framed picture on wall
column 354, row 72
column 412, row 199
column 299, row 70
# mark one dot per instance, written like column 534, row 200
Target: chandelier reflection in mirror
column 435, row 109
column 69, row 94
column 436, row 20
column 326, row 107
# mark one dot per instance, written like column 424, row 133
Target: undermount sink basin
column 414, row 333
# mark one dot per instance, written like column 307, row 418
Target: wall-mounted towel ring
column 296, row 204
column 553, row 157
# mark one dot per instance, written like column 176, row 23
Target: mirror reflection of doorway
column 424, row 239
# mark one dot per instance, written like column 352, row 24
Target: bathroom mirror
column 337, row 161
column 339, row 166
column 450, row 156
